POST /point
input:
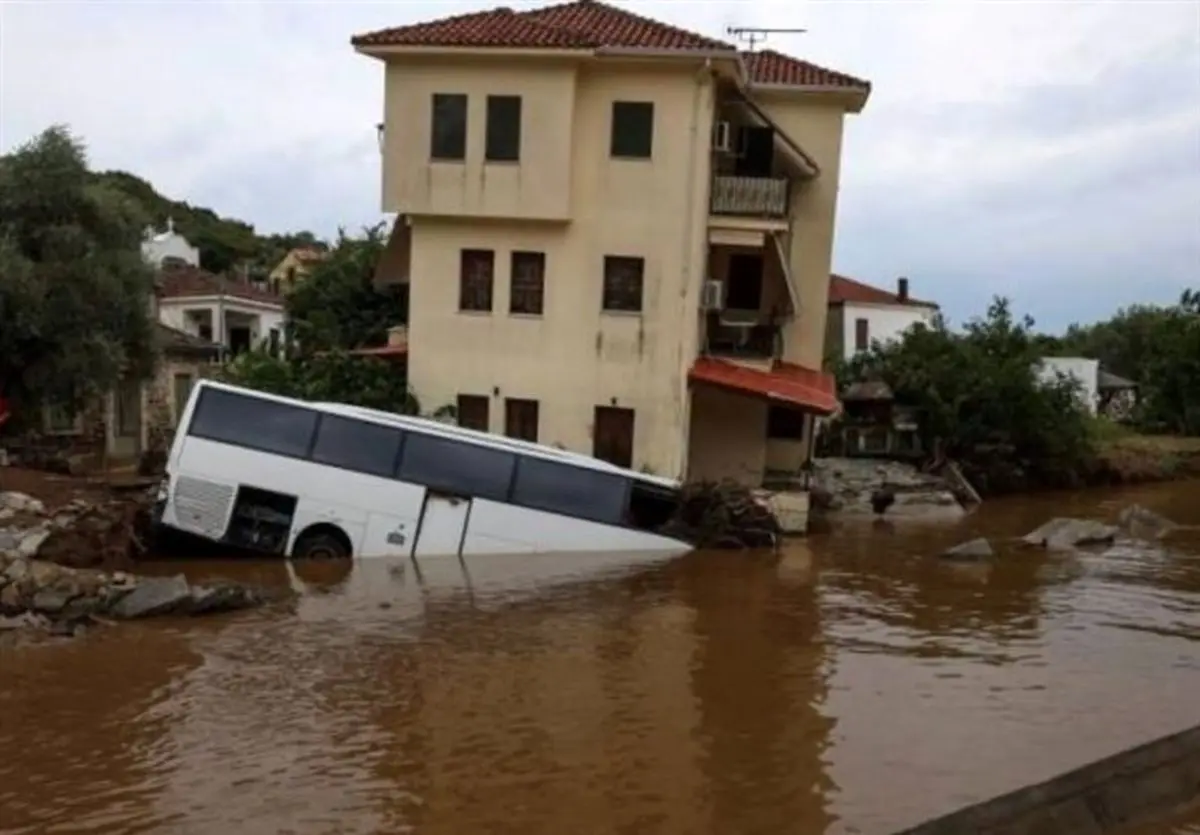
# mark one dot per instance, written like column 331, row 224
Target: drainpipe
column 683, row 412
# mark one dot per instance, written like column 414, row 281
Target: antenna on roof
column 751, row 36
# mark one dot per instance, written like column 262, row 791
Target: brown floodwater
column 852, row 684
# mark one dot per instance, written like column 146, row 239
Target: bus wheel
column 320, row 545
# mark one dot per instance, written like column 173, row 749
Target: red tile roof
column 185, row 282
column 804, row 388
column 591, row 24
column 844, row 290
column 770, row 67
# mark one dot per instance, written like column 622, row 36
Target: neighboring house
column 860, row 314
column 618, row 233
column 162, row 249
column 233, row 313
column 126, row 418
column 295, row 267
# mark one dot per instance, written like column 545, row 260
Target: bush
column 335, row 376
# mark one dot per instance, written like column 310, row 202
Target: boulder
column 154, row 596
column 722, row 515
column 1065, row 534
column 21, row 503
column 31, row 542
column 1143, row 523
column 974, row 549
column 224, row 597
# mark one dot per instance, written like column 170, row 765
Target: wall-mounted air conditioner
column 712, row 295
column 723, row 137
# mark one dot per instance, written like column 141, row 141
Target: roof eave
column 385, row 51
column 854, row 99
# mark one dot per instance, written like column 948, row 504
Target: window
column 785, row 424
column 253, row 422
column 205, row 332
column 59, row 420
column 528, row 282
column 521, row 419
column 862, row 338
column 473, row 412
column 744, row 282
column 623, row 283
column 357, row 445
column 612, row 435
column 476, row 268
column 181, row 386
column 570, row 490
column 454, row 467
column 129, row 409
column 273, row 341
column 503, row 140
column 448, row 129
column 632, row 129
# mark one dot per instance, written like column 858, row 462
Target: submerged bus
column 325, row 480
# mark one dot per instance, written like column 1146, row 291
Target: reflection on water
column 852, row 684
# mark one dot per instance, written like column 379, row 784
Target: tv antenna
column 751, row 36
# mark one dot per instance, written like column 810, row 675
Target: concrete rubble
column 723, row 515
column 970, row 551
column 847, row 485
column 1064, row 534
column 51, row 573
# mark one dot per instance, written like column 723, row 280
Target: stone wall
column 848, row 485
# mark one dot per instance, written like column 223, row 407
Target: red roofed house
column 617, row 232
column 860, row 314
column 233, row 313
column 294, row 267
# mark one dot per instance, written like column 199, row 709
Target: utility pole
column 751, row 36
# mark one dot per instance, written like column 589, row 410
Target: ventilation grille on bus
column 202, row 506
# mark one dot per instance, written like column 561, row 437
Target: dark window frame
column 476, row 285
column 502, row 136
column 862, row 334
column 616, row 299
column 477, row 398
column 414, row 442
column 512, row 407
column 527, row 268
column 448, row 127
column 784, row 424
column 631, row 134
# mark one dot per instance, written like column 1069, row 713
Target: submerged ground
column 857, row 684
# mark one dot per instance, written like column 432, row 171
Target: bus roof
column 450, row 431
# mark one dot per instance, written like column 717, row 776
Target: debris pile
column 111, row 533
column 722, row 515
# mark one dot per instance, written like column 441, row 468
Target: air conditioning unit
column 712, row 295
column 723, row 137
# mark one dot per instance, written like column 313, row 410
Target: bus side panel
column 496, row 528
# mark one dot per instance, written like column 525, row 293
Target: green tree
column 75, row 314
column 337, row 306
column 335, row 377
column 981, row 401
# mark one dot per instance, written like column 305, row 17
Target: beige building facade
column 616, row 234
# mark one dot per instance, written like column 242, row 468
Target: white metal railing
column 755, row 196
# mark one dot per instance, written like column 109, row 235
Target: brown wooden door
column 473, row 412
column 521, row 419
column 612, row 436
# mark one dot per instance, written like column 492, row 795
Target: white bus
column 322, row 480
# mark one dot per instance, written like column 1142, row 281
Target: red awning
column 784, row 383
column 385, row 351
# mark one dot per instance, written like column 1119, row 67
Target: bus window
column 357, row 445
column 651, row 506
column 570, row 490
column 254, row 423
column 458, row 468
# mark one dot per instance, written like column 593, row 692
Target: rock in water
column 975, row 549
column 1145, row 523
column 1064, row 534
column 154, row 596
column 722, row 515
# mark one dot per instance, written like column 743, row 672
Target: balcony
column 764, row 197
column 749, row 340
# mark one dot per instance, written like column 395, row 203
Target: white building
column 1085, row 373
column 860, row 314
column 235, row 314
column 164, row 248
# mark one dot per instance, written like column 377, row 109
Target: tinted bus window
column 357, row 445
column 249, row 422
column 456, row 467
column 572, row 491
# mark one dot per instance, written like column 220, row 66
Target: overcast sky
column 1047, row 151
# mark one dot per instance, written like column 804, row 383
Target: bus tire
column 322, row 542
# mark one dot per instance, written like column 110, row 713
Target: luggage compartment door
column 443, row 525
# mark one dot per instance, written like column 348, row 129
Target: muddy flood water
column 855, row 684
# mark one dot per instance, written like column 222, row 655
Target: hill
column 224, row 243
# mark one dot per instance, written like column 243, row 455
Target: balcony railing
column 760, row 341
column 749, row 196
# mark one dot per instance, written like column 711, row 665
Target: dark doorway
column 612, row 436
column 744, row 282
column 756, row 150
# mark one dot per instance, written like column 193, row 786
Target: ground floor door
column 443, row 525
column 127, row 420
column 612, row 435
